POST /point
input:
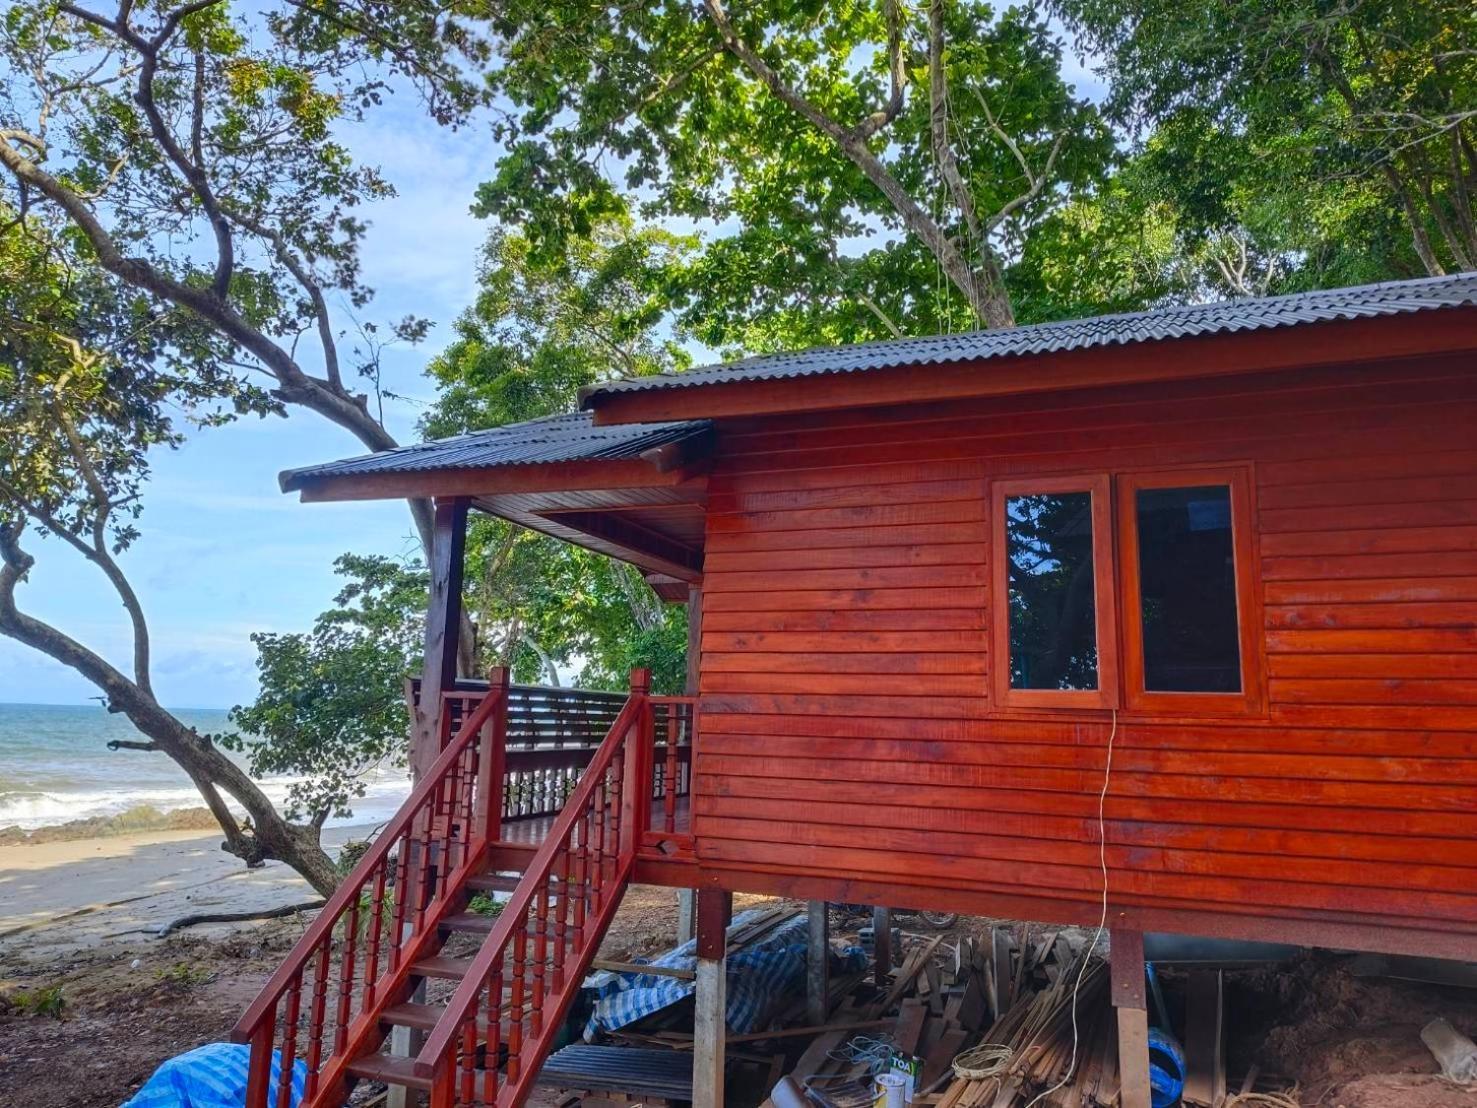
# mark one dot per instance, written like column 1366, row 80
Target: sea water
column 55, row 767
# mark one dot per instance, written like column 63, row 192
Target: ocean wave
column 31, row 809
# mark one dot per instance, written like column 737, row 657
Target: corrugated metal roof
column 1390, row 298
column 559, row 438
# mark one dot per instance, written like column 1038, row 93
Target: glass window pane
column 1187, row 590
column 1052, row 601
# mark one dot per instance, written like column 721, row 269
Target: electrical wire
column 1102, row 858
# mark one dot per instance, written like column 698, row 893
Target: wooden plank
column 1205, row 1041
column 817, row 963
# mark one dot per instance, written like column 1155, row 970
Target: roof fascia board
column 586, row 476
column 1439, row 331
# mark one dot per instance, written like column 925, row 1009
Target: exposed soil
column 1344, row 1040
column 128, row 1005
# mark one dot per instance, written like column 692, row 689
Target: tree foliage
column 542, row 327
column 331, row 710
column 1338, row 138
column 870, row 167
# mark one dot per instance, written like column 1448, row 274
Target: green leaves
column 332, row 703
column 1341, row 141
column 653, row 103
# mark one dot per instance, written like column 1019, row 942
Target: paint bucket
column 892, row 1091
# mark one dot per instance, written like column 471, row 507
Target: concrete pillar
column 1126, row 966
column 882, row 945
column 710, row 1029
column 686, row 915
column 817, row 964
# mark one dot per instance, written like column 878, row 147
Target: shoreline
column 71, row 894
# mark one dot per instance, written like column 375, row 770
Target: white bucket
column 892, row 1091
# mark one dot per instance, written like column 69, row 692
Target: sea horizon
column 56, row 768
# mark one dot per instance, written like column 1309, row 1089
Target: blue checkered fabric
column 212, row 1076
column 758, row 977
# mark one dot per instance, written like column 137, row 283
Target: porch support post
column 686, row 915
column 1126, row 969
column 882, row 945
column 443, row 629
column 443, row 626
column 686, row 898
column 714, row 906
column 817, row 964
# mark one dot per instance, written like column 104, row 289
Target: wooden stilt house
column 1191, row 593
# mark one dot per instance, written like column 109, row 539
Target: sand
column 64, row 896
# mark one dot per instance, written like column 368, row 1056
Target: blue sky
column 224, row 553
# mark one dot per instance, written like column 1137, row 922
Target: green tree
column 86, row 395
column 542, row 327
column 174, row 170
column 331, row 709
column 1339, row 140
column 871, row 168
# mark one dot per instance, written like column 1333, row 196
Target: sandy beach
column 61, row 896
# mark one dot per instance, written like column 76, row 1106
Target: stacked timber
column 991, row 1020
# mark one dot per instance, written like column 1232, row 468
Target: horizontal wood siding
column 848, row 729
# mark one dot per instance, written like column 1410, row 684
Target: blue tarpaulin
column 212, row 1076
column 758, row 976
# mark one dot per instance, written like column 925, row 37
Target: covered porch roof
column 635, row 491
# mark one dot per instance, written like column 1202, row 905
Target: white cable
column 1102, row 859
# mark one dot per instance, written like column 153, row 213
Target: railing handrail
column 349, row 888
column 459, row 1008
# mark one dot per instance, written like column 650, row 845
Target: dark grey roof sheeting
column 558, row 438
column 1390, row 298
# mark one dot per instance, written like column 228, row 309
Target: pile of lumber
column 1012, row 993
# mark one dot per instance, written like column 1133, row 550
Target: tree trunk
column 269, row 835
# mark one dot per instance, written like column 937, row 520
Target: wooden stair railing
column 489, row 1043
column 324, row 1004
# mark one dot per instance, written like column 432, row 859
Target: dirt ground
column 128, row 1005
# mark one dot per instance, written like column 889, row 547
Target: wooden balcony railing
column 552, row 734
column 497, row 1028
column 328, row 993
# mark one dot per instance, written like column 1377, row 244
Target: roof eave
column 1429, row 332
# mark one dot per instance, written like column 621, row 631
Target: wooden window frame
column 1099, row 485
column 1251, row 699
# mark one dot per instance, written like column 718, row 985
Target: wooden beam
column 1329, row 343
column 486, row 481
column 817, row 963
column 694, row 640
column 710, row 1027
column 443, row 624
column 1126, row 972
column 646, row 546
column 882, row 944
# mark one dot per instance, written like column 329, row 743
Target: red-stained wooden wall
column 850, row 747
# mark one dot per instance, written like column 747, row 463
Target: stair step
column 390, row 1071
column 478, row 924
column 422, row 1017
column 474, row 922
column 493, row 882
column 442, row 968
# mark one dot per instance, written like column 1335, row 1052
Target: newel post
column 636, row 796
column 492, row 759
column 443, row 628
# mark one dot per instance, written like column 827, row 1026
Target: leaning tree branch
column 294, row 386
column 300, row 273
column 988, row 303
column 103, row 559
column 898, row 76
column 198, row 918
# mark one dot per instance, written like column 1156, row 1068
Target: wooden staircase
column 399, row 946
